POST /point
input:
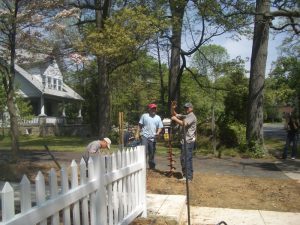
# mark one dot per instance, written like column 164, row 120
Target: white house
column 42, row 84
column 39, row 80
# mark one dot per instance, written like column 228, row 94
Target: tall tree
column 202, row 20
column 257, row 73
column 287, row 11
column 177, row 8
column 18, row 29
column 8, row 29
column 115, row 39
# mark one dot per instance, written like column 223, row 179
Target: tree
column 177, row 8
column 16, row 20
column 114, row 38
column 286, row 80
column 210, row 60
column 212, row 19
column 263, row 18
column 9, row 21
column 257, row 74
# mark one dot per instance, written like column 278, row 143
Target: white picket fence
column 109, row 190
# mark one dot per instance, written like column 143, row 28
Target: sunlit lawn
column 75, row 144
column 78, row 144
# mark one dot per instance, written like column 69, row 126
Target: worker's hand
column 174, row 118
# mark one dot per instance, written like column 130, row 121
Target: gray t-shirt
column 190, row 121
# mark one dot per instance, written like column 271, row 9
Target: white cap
column 108, row 141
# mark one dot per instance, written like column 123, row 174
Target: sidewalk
column 174, row 208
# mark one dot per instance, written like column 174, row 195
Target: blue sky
column 243, row 48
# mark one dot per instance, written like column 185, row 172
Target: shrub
column 233, row 134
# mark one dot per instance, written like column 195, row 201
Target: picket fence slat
column 53, row 194
column 74, row 184
column 40, row 192
column 115, row 190
column 25, row 194
column 65, row 189
column 108, row 190
column 110, row 212
column 8, row 211
column 84, row 201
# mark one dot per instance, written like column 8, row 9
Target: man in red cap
column 150, row 125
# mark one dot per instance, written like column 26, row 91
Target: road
column 274, row 130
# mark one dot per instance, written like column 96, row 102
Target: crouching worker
column 98, row 146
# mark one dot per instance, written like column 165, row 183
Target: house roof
column 66, row 92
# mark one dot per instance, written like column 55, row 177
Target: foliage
column 209, row 60
column 133, row 87
column 274, row 97
column 128, row 30
column 236, row 97
column 25, row 110
column 255, row 149
column 286, row 77
column 2, row 99
column 232, row 133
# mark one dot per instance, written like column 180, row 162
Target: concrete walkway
column 174, row 208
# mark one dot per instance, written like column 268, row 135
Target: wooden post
column 121, row 129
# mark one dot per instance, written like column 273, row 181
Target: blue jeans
column 150, row 147
column 189, row 163
column 290, row 139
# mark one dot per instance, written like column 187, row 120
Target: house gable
column 49, row 83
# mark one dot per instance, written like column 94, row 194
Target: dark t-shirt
column 293, row 127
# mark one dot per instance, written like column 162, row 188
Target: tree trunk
column 104, row 99
column 257, row 74
column 162, row 86
column 103, row 81
column 10, row 89
column 177, row 10
column 14, row 128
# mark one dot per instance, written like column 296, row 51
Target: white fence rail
column 109, row 190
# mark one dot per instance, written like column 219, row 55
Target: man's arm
column 178, row 121
column 158, row 131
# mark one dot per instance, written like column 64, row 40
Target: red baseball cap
column 152, row 106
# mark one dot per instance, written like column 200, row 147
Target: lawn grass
column 71, row 143
column 78, row 144
column 75, row 144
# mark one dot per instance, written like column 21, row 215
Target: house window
column 44, row 81
column 54, row 84
column 49, row 80
column 59, row 85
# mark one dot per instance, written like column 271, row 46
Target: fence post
column 25, row 194
column 8, row 206
column 65, row 189
column 84, row 201
column 53, row 193
column 102, row 206
column 142, row 157
column 74, row 184
column 93, row 202
column 40, row 192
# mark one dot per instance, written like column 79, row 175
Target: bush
column 255, row 149
column 233, row 135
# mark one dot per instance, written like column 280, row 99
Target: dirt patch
column 206, row 189
column 217, row 190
